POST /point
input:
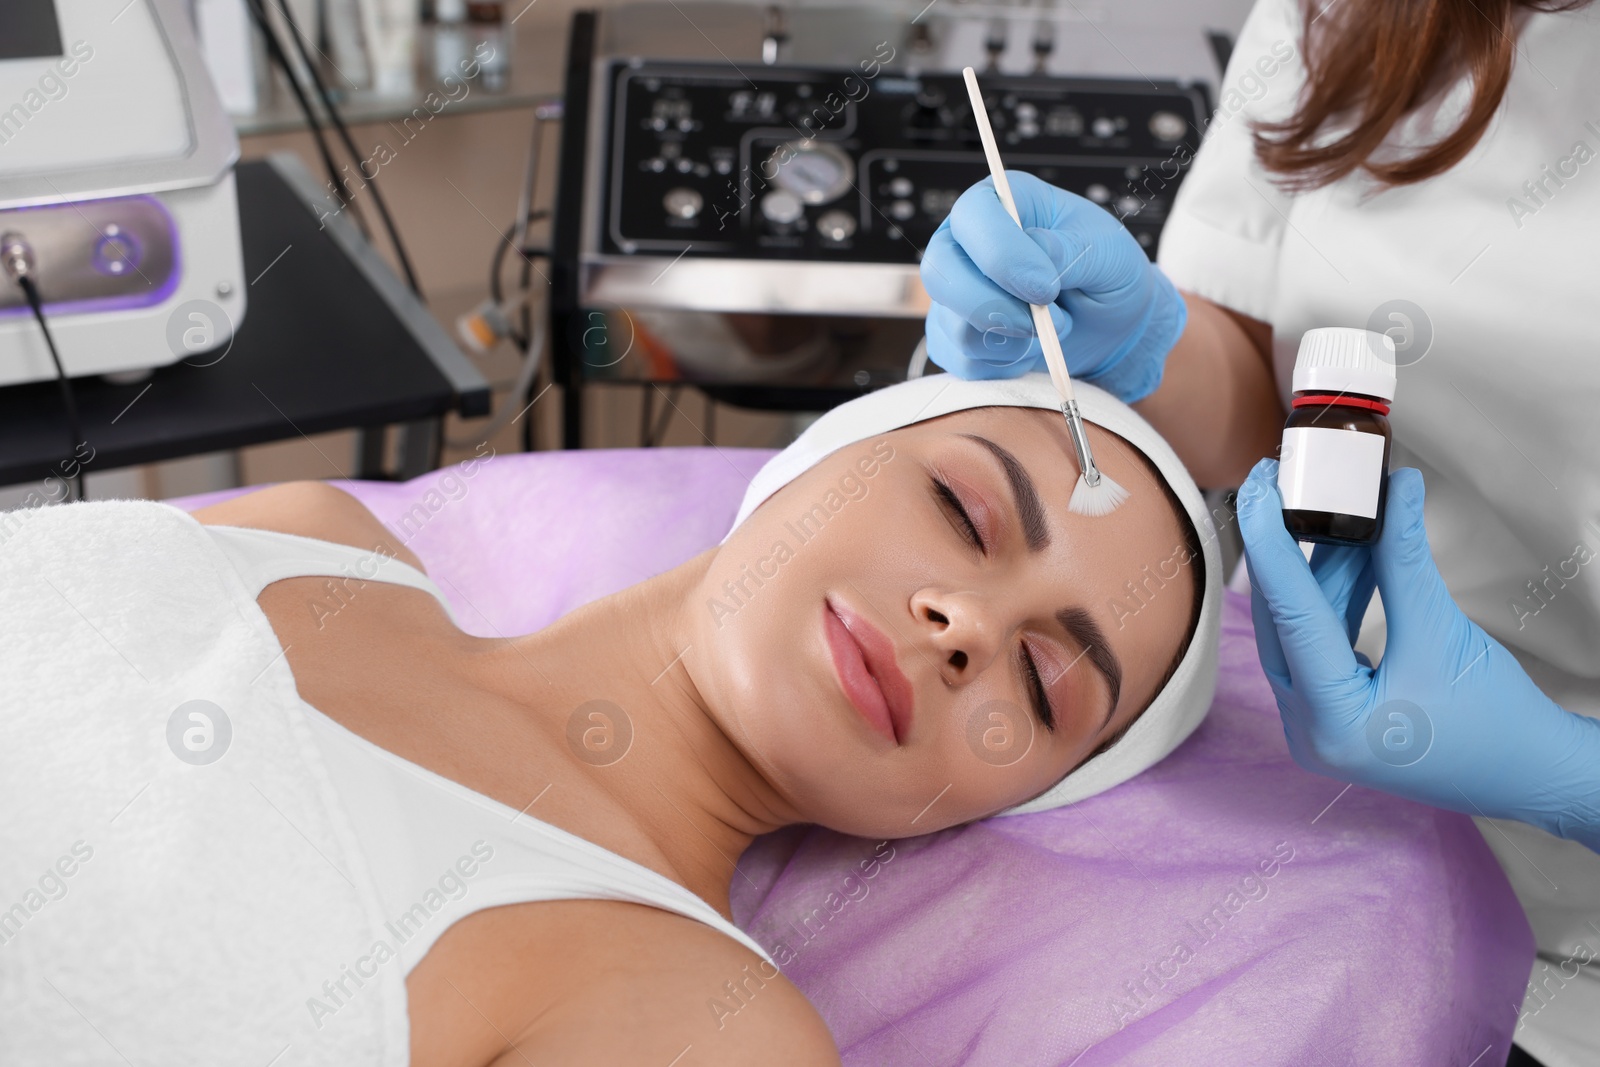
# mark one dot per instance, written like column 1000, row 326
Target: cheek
column 998, row 754
column 762, row 663
column 757, row 656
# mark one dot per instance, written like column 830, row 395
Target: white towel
column 156, row 910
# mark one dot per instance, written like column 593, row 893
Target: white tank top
column 438, row 850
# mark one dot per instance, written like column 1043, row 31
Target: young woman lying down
column 904, row 631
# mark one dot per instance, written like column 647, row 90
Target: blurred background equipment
column 744, row 192
column 129, row 233
column 125, row 200
column 739, row 163
column 335, row 341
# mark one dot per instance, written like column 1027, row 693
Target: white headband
column 1180, row 705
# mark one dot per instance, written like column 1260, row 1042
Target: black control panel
column 833, row 165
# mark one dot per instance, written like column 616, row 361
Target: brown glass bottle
column 1333, row 468
column 1353, row 413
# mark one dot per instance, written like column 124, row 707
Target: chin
column 803, row 745
column 797, row 745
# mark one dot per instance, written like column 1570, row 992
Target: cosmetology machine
column 764, row 161
column 116, row 189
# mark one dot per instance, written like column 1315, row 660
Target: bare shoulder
column 309, row 509
column 663, row 986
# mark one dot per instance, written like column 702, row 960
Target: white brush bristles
column 1096, row 500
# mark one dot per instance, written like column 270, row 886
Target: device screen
column 29, row 29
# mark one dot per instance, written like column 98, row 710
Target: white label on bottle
column 1325, row 469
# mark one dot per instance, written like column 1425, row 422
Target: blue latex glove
column 1117, row 315
column 1448, row 717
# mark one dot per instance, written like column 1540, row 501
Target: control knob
column 836, row 225
column 1168, row 126
column 781, row 207
column 682, row 203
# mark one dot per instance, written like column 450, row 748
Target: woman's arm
column 1218, row 403
column 310, row 509
column 606, row 983
column 727, row 1016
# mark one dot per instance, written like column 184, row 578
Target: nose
column 963, row 629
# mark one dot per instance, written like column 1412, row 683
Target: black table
column 331, row 340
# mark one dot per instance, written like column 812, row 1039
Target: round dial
column 683, row 203
column 811, row 170
column 782, row 208
column 1168, row 125
column 836, row 225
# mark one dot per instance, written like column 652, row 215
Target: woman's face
column 897, row 657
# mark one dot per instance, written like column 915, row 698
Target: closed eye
column 1035, row 684
column 1041, row 700
column 952, row 504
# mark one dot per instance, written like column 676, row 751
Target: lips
column 868, row 673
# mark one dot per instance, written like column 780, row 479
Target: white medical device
column 116, row 169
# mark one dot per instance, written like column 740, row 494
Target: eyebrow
column 1035, row 531
column 1077, row 622
column 1087, row 633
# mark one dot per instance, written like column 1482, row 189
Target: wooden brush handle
column 1049, row 343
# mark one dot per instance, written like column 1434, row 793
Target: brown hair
column 1371, row 62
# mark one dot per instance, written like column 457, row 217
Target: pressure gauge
column 813, row 171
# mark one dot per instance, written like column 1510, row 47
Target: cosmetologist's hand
column 1448, row 717
column 1116, row 313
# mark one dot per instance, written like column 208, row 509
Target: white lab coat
column 1488, row 278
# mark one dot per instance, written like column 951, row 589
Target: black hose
column 276, row 52
column 350, row 146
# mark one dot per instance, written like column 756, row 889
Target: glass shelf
column 524, row 71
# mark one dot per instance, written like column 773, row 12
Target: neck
column 609, row 687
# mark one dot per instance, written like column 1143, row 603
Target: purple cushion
column 1225, row 907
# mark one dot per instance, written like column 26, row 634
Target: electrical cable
column 68, row 400
column 525, row 217
column 554, row 110
column 497, row 264
column 350, row 146
column 530, row 175
column 497, row 267
column 526, row 214
column 529, row 324
column 18, row 263
column 532, row 360
column 276, row 53
column 525, row 282
column 531, row 339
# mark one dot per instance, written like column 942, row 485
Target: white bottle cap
column 1343, row 359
